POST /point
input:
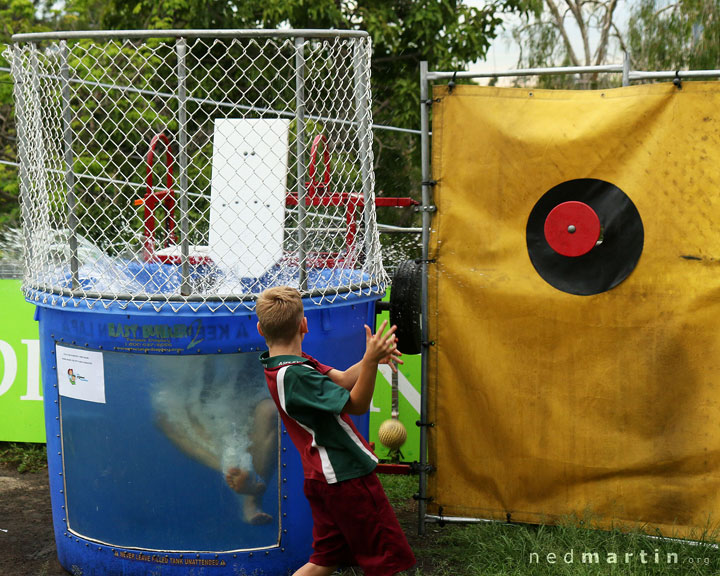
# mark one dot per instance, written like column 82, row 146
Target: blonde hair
column 280, row 312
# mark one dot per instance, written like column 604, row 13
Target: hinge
column 428, row 208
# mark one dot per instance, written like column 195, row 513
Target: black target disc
column 609, row 261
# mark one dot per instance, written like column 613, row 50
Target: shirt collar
column 271, row 362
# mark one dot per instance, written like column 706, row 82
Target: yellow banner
column 546, row 403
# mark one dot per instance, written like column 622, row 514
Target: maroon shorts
column 354, row 524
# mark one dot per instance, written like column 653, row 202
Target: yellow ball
column 392, row 434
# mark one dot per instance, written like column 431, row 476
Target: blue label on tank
column 176, row 337
column 158, row 334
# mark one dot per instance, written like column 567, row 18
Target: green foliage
column 16, row 17
column 23, row 457
column 122, row 123
column 167, row 14
column 681, row 35
column 447, row 33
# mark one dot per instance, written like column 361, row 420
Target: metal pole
column 626, row 69
column 669, row 75
column 181, row 49
column 464, row 520
column 426, row 200
column 300, row 154
column 610, row 69
column 182, row 33
column 69, row 162
column 362, row 114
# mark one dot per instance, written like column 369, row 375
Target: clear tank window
column 177, row 453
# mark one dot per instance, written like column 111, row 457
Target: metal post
column 300, row 154
column 181, row 49
column 69, row 163
column 626, row 69
column 426, row 201
column 362, row 119
column 395, row 403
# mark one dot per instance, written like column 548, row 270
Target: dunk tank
column 167, row 179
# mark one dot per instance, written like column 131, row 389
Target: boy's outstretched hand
column 382, row 347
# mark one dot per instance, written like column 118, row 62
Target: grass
column 24, row 457
column 500, row 549
column 399, row 488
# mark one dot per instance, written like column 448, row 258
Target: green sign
column 408, row 404
column 21, row 406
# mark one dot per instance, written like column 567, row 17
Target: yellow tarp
column 548, row 404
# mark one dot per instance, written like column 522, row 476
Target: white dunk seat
column 247, row 197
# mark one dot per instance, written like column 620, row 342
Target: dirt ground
column 27, row 542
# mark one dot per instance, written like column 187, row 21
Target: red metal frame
column 403, row 469
column 313, row 186
column 154, row 198
column 319, row 195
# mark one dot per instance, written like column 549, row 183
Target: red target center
column 572, row 229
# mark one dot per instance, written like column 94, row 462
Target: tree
column 16, row 16
column 568, row 33
column 447, row 33
column 681, row 35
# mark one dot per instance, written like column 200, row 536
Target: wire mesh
column 11, row 265
column 212, row 168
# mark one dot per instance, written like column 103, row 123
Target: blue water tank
column 165, row 453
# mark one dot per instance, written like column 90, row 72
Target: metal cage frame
column 301, row 76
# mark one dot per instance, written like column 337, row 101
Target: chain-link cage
column 195, row 168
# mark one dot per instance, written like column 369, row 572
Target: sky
column 503, row 53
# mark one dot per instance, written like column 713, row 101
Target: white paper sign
column 80, row 374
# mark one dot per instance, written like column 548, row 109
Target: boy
column 353, row 522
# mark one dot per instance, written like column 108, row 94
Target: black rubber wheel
column 406, row 306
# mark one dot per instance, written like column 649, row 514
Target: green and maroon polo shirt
column 311, row 405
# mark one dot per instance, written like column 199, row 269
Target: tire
column 406, row 306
